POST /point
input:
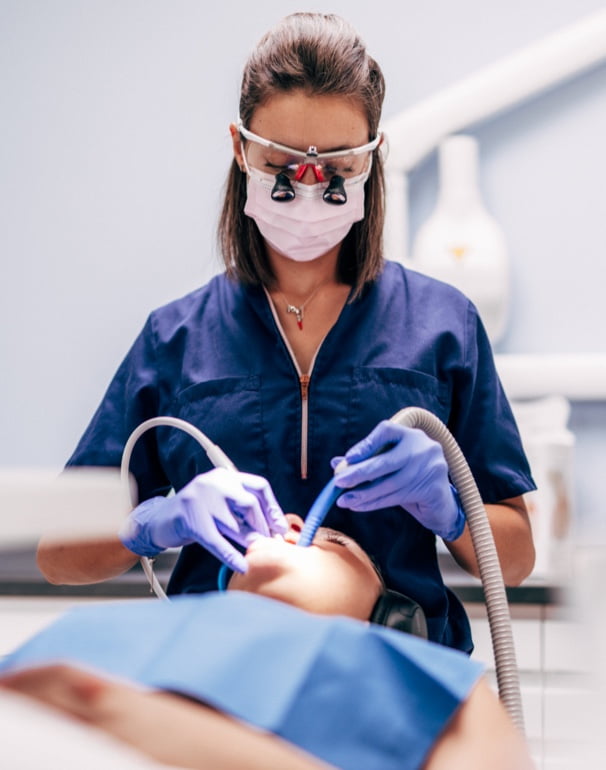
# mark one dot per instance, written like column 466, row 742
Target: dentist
column 299, row 353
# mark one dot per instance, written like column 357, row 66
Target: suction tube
column 318, row 511
column 215, row 454
column 497, row 607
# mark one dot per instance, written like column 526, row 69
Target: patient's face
column 333, row 576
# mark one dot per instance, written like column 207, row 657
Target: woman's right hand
column 213, row 507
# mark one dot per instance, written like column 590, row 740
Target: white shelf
column 577, row 376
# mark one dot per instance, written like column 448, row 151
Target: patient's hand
column 167, row 727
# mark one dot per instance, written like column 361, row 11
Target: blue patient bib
column 355, row 695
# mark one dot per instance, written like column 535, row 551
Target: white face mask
column 305, row 227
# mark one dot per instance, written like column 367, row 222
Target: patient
column 355, row 688
column 332, row 576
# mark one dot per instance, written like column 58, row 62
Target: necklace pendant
column 298, row 311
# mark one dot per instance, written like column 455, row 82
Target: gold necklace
column 299, row 310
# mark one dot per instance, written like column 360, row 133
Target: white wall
column 114, row 147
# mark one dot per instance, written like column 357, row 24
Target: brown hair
column 321, row 54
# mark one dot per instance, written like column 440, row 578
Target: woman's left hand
column 401, row 466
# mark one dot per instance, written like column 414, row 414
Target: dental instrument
column 318, row 511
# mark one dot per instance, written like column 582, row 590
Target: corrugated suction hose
column 497, row 606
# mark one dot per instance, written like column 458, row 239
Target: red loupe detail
column 316, row 169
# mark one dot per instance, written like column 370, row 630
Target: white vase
column 461, row 243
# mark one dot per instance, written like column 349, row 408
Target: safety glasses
column 288, row 164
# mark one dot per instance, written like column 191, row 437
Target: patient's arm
column 480, row 736
column 171, row 729
column 177, row 731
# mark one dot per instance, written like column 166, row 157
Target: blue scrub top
column 217, row 359
column 353, row 694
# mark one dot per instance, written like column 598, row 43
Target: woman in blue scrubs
column 300, row 351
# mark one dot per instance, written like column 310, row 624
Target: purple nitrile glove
column 401, row 466
column 214, row 506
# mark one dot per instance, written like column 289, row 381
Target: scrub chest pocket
column 379, row 392
column 229, row 412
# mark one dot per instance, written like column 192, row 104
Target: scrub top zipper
column 304, row 380
column 304, row 385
